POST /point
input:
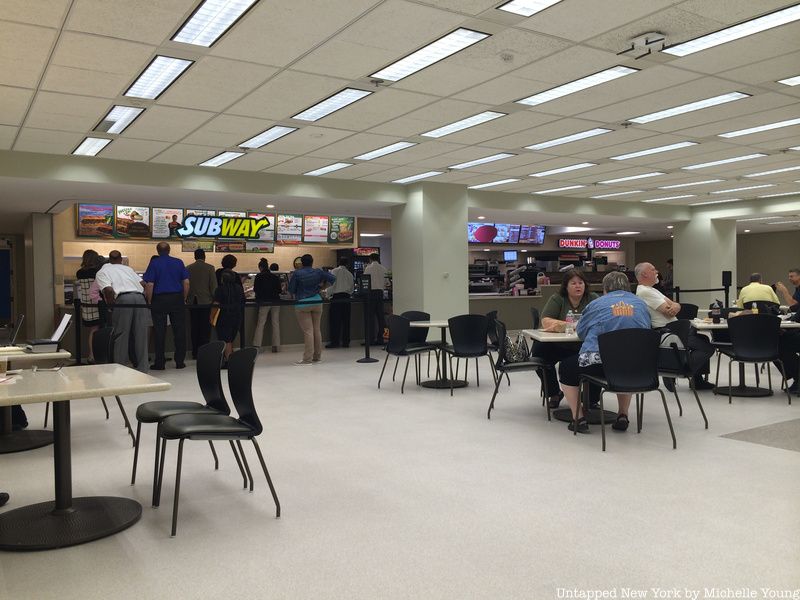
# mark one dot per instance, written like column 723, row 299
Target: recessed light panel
column 654, row 150
column 724, row 161
column 221, row 159
column 691, row 107
column 577, row 85
column 157, row 77
column 328, row 169
column 211, row 19
column 526, row 8
column 615, row 194
column 632, row 177
column 760, row 128
column 628, row 232
column 385, row 150
column 791, row 81
column 418, row 177
column 118, row 118
column 563, row 169
column 569, row 138
column 773, row 172
column 744, row 189
column 91, row 146
column 796, row 193
column 670, row 198
column 330, row 105
column 265, row 137
column 560, row 189
column 716, row 202
column 432, row 53
column 472, row 121
column 491, row 184
column 482, row 161
column 683, row 185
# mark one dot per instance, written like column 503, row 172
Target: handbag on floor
column 516, row 350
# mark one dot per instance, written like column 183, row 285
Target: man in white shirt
column 377, row 273
column 121, row 285
column 339, row 293
column 662, row 311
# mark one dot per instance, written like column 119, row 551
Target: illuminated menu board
column 290, row 229
column 315, row 229
column 531, row 234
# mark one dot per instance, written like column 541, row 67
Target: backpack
column 516, row 350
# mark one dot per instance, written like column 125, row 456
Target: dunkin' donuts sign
column 588, row 244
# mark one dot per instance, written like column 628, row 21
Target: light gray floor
column 419, row 496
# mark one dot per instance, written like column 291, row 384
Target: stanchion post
column 76, row 303
column 677, row 291
column 365, row 290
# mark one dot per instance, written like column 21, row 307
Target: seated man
column 793, row 300
column 788, row 350
column 756, row 292
column 662, row 311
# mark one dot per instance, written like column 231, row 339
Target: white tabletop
column 702, row 325
column 76, row 383
column 550, row 336
column 442, row 324
column 22, row 356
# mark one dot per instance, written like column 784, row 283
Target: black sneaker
column 621, row 424
column 583, row 425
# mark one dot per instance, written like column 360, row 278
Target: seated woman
column 617, row 309
column 573, row 296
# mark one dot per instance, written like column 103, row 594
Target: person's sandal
column 583, row 425
column 621, row 424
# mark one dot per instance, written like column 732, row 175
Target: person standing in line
column 377, row 273
column 305, row 285
column 166, row 288
column 202, row 283
column 229, row 262
column 267, row 287
column 339, row 317
column 119, row 283
column 229, row 297
column 89, row 294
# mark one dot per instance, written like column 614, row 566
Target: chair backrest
column 417, row 335
column 468, row 334
column 240, row 382
column 630, row 358
column 688, row 311
column 103, row 345
column 209, row 371
column 755, row 337
column 494, row 340
column 766, row 307
column 676, row 358
column 399, row 328
column 535, row 319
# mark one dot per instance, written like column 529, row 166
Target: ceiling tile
column 517, row 121
column 470, row 7
column 383, row 106
column 731, row 12
column 357, row 171
column 13, row 104
column 149, row 21
column 767, row 71
column 227, row 130
column 139, row 150
column 166, row 124
column 745, row 121
column 256, row 161
column 299, row 165
column 49, row 142
column 186, row 154
column 354, row 145
column 66, row 112
column 45, row 13
column 430, row 117
column 23, row 53
column 418, row 153
column 306, row 139
column 7, row 134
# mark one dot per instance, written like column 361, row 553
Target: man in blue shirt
column 166, row 289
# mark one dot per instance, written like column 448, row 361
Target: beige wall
column 771, row 254
column 656, row 252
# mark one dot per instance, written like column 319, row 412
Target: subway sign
column 246, row 228
column 588, row 244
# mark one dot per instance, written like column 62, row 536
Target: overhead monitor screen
column 532, row 234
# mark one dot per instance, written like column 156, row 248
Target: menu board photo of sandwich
column 132, row 222
column 341, row 230
column 95, row 220
column 290, row 229
column 315, row 229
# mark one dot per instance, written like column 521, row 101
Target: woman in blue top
column 305, row 285
column 616, row 309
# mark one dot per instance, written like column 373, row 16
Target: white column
column 39, row 284
column 429, row 251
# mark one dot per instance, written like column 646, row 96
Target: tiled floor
column 420, row 496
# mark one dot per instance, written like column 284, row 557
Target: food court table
column 740, row 390
column 19, row 441
column 443, row 383
column 68, row 521
column 565, row 414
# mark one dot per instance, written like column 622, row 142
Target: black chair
column 721, row 339
column 630, row 366
column 502, row 366
column 678, row 366
column 469, row 335
column 754, row 339
column 535, row 318
column 688, row 311
column 210, row 426
column 494, row 342
column 399, row 346
column 418, row 336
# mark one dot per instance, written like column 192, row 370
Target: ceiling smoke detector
column 644, row 44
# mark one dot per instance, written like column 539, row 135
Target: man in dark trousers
column 339, row 317
column 377, row 273
column 202, row 283
column 166, row 288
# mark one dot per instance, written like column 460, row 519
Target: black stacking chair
column 535, row 318
column 688, row 311
column 721, row 338
column 754, row 339
column 103, row 351
column 494, row 343
column 210, row 426
column 399, row 346
column 678, row 366
column 469, row 335
column 502, row 366
column 418, row 336
column 630, row 366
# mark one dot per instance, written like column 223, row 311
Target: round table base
column 442, row 384
column 367, row 360
column 19, row 441
column 36, row 527
column 743, row 391
column 593, row 418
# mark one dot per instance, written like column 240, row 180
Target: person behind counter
column 574, row 296
column 339, row 316
column 305, row 285
column 89, row 293
column 267, row 288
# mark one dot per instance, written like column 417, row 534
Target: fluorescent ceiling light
column 782, row 223
column 683, row 185
column 790, row 81
column 336, row 102
column 491, row 184
column 396, row 147
column 783, row 194
column 654, row 150
column 716, row 202
column 482, row 161
column 760, row 128
column 211, row 19
column 418, row 177
column 157, row 77
column 328, row 169
column 445, row 46
column 723, row 36
column 560, row 189
column 615, row 194
column 670, row 198
column 795, row 148
column 724, row 161
column 265, row 137
column 577, row 85
column 692, row 106
column 569, row 138
column 464, row 124
column 773, row 172
column 759, row 218
column 526, row 8
column 118, row 118
column 91, row 146
column 632, row 177
column 221, row 159
column 628, row 232
column 571, row 229
column 742, row 189
column 563, row 169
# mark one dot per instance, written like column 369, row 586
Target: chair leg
column 719, row 360
column 450, row 360
column 160, row 474
column 46, row 412
column 125, row 418
column 491, row 362
column 405, row 373
column 177, row 489
column 758, row 379
column 696, row 397
column 494, row 395
column 155, row 466
column 545, row 396
column 677, row 399
column 769, row 377
column 477, row 373
column 639, row 412
column 429, row 364
column 269, row 480
column 214, row 452
column 394, row 374
column 136, row 451
column 105, row 407
column 382, row 370
column 466, row 368
column 602, row 420
column 730, row 382
column 239, row 463
column 669, row 419
column 784, row 382
column 246, row 464
column 508, row 379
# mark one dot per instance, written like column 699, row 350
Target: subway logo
column 225, row 227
